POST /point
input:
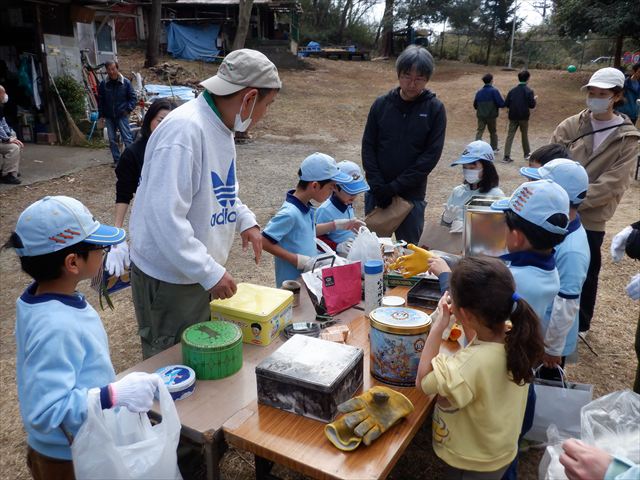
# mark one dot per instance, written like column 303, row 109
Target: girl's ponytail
column 524, row 342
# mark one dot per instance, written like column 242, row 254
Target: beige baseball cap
column 241, row 69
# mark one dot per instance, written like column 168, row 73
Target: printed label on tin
column 395, row 358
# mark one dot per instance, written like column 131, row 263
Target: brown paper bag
column 385, row 221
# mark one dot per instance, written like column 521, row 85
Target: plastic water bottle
column 373, row 285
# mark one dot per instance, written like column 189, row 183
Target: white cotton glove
column 633, row 289
column 118, row 259
column 352, row 224
column 344, row 248
column 451, row 214
column 619, row 243
column 301, row 261
column 135, row 391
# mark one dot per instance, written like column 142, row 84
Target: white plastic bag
column 366, row 246
column 121, row 445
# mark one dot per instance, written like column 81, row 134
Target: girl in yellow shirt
column 482, row 388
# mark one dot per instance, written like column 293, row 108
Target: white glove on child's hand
column 301, row 261
column 450, row 214
column 633, row 289
column 118, row 259
column 344, row 248
column 619, row 243
column 135, row 391
column 352, row 224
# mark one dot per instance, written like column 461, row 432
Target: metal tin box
column 212, row 349
column 310, row 377
column 397, row 337
column 424, row 294
column 260, row 312
column 485, row 229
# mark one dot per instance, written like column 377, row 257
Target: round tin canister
column 397, row 337
column 179, row 379
column 212, row 349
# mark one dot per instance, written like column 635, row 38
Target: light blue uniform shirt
column 61, row 352
column 572, row 260
column 536, row 277
column 294, row 229
column 333, row 209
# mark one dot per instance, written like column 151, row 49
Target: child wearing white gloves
column 61, row 345
column 340, row 207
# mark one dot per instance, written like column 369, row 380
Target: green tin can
column 212, row 349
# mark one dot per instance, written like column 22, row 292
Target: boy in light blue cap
column 61, row 345
column 290, row 235
column 340, row 207
column 560, row 321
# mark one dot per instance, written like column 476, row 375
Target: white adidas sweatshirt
column 186, row 209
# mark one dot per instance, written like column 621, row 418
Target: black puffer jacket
column 116, row 98
column 403, row 141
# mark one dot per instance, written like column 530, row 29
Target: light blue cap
column 320, row 166
column 536, row 202
column 475, row 151
column 358, row 184
column 569, row 174
column 57, row 222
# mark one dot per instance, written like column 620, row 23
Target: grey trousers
column 164, row 310
column 9, row 158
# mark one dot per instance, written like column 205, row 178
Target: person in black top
column 403, row 141
column 519, row 101
column 128, row 176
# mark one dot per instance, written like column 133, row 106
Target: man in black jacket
column 403, row 141
column 116, row 100
column 519, row 101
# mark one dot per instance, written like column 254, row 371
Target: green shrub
column 73, row 96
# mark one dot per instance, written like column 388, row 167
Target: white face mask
column 598, row 105
column 472, row 176
column 238, row 124
column 5, row 99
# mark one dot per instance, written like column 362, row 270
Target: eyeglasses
column 415, row 80
column 105, row 248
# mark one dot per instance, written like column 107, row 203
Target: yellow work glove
column 411, row 265
column 342, row 436
column 374, row 412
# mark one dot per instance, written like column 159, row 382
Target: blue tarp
column 192, row 42
column 164, row 91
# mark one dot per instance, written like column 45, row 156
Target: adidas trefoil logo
column 225, row 192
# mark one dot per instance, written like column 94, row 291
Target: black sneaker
column 11, row 179
column 496, row 150
column 527, row 157
column 507, row 160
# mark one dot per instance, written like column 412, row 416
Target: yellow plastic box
column 260, row 312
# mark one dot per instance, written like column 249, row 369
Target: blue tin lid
column 177, row 377
column 373, row 266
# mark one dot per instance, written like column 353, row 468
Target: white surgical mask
column 598, row 105
column 472, row 176
column 5, row 99
column 238, row 124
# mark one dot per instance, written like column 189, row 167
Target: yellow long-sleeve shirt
column 479, row 431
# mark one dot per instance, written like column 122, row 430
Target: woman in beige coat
column 606, row 144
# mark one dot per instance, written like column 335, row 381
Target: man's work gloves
column 411, row 265
column 367, row 416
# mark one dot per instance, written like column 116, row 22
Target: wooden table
column 299, row 443
column 215, row 401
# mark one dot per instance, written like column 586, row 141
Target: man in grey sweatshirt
column 186, row 209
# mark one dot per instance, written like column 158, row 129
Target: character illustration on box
column 395, row 359
column 256, row 330
column 276, row 326
column 176, row 375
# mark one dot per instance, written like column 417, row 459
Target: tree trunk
column 387, row 29
column 244, row 18
column 618, row 55
column 153, row 40
column 491, row 36
column 343, row 19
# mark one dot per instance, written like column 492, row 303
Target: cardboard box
column 49, row 138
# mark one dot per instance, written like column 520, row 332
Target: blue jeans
column 410, row 230
column 121, row 124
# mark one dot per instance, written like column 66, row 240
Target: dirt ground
column 325, row 110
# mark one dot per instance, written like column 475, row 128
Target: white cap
column 608, row 77
column 241, row 69
column 569, row 174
